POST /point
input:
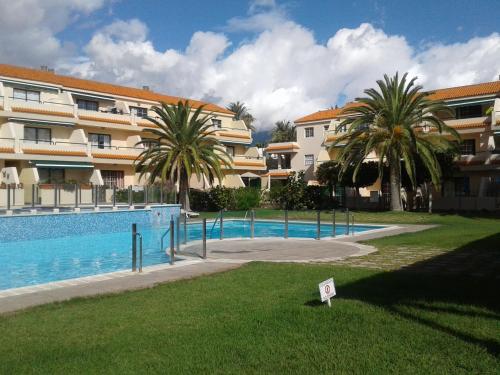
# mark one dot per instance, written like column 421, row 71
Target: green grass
column 266, row 318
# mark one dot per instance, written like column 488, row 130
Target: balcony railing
column 46, row 147
column 106, row 117
column 50, row 108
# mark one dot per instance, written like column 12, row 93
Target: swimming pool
column 48, row 248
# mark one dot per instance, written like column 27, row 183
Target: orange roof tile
column 480, row 89
column 100, row 87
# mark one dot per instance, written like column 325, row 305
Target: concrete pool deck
column 222, row 256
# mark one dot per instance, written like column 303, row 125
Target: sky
column 284, row 59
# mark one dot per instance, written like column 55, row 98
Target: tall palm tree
column 398, row 122
column 284, row 131
column 241, row 112
column 183, row 144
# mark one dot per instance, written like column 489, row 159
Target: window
column 468, row 147
column 31, row 96
column 139, row 111
column 469, row 111
column 37, row 135
column 230, row 150
column 88, row 105
column 462, row 186
column 51, row 175
column 113, row 178
column 326, row 127
column 309, row 159
column 217, row 123
column 496, row 139
column 100, row 140
column 309, row 132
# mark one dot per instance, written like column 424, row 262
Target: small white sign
column 327, row 290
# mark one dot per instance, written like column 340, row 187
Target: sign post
column 327, row 291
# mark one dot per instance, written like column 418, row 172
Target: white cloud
column 282, row 73
column 28, row 28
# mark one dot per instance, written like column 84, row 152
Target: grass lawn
column 266, row 318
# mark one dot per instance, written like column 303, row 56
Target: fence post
column 252, row 224
column 178, row 232
column 161, row 193
column 172, row 243
column 134, row 247
column 146, row 195
column 286, row 223
column 130, row 195
column 347, row 221
column 33, row 196
column 55, row 195
column 221, row 220
column 334, row 230
column 318, row 224
column 96, row 202
column 204, row 238
column 8, row 197
column 184, row 240
column 352, row 226
column 76, row 195
column 114, row 195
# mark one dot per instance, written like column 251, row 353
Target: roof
column 327, row 114
column 479, row 89
column 100, row 87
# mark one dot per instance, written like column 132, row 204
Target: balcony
column 249, row 163
column 104, row 117
column 283, row 147
column 53, row 148
column 122, row 153
column 7, row 145
column 35, row 107
column 331, row 136
column 469, row 125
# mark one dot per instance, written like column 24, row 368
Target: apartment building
column 58, row 129
column 476, row 110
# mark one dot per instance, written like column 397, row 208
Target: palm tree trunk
column 184, row 193
column 395, row 181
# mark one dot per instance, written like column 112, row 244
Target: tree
column 396, row 122
column 284, row 131
column 241, row 112
column 183, row 144
column 328, row 174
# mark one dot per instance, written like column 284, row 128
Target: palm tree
column 241, row 112
column 397, row 122
column 284, row 131
column 183, row 144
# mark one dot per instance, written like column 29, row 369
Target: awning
column 250, row 175
column 233, row 181
column 61, row 164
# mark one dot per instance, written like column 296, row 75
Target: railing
column 88, row 115
column 40, row 107
column 78, row 196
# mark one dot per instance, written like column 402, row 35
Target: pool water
column 29, row 262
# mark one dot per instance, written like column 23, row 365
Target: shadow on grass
column 458, row 283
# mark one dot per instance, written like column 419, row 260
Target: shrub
column 246, row 198
column 222, row 197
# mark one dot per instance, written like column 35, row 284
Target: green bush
column 246, row 198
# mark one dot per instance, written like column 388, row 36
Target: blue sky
column 284, row 59
column 172, row 23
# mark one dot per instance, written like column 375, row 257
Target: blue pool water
column 44, row 258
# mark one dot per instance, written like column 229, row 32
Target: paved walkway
column 222, row 256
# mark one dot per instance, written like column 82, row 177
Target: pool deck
column 222, row 256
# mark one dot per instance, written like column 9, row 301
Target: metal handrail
column 213, row 226
column 162, row 238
